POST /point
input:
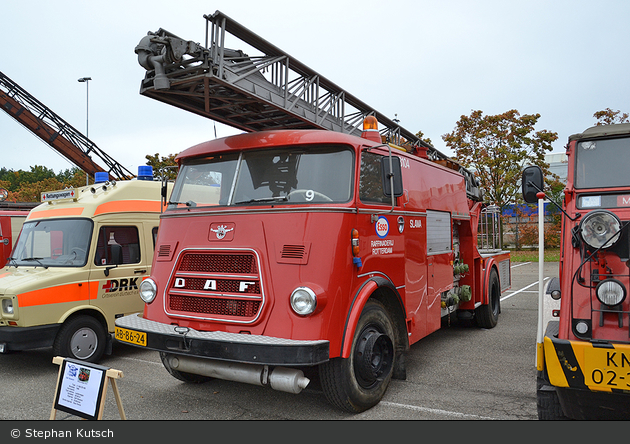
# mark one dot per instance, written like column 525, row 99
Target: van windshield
column 599, row 163
column 53, row 243
column 318, row 174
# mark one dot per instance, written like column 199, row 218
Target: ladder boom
column 56, row 132
column 266, row 91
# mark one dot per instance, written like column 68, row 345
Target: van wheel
column 182, row 376
column 547, row 402
column 487, row 316
column 81, row 337
column 358, row 383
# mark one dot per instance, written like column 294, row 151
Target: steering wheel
column 309, row 195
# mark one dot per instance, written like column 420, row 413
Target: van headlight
column 303, row 301
column 7, row 306
column 600, row 229
column 148, row 290
column 610, row 292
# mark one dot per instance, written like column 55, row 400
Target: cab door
column 121, row 260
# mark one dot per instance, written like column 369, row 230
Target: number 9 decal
column 309, row 195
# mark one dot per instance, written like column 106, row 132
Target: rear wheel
column 487, row 316
column 359, row 382
column 81, row 337
column 182, row 376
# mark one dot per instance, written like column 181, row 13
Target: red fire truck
column 583, row 358
column 287, row 249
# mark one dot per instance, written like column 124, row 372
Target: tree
column 167, row 164
column 497, row 148
column 609, row 117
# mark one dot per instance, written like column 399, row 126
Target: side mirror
column 532, row 183
column 397, row 175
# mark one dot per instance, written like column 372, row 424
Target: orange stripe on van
column 124, row 206
column 54, row 295
column 56, row 212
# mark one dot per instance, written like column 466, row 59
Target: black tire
column 547, row 402
column 359, row 382
column 81, row 337
column 487, row 315
column 182, row 376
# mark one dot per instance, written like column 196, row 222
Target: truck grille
column 214, row 285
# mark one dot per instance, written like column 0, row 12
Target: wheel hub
column 373, row 357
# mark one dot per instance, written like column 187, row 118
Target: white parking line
column 521, row 290
column 436, row 411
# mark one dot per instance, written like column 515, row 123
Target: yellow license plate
column 132, row 337
column 607, row 368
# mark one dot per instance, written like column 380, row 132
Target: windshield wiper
column 38, row 259
column 190, row 203
column 263, row 199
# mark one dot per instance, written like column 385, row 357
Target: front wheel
column 358, row 383
column 82, row 337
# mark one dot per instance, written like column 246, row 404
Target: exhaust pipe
column 279, row 378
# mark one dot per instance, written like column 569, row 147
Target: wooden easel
column 110, row 375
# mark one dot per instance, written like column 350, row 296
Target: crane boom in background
column 56, row 132
column 264, row 92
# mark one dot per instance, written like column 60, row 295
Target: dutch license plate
column 132, row 337
column 607, row 368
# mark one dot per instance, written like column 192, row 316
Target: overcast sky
column 428, row 62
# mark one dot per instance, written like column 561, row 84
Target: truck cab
column 76, row 267
column 583, row 359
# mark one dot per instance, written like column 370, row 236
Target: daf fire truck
column 303, row 243
column 77, row 265
column 583, row 358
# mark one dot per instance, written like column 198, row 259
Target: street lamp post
column 86, row 80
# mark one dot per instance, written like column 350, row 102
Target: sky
column 424, row 62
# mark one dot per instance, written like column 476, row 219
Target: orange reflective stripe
column 123, row 206
column 57, row 212
column 54, row 295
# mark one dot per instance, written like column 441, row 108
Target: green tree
column 497, row 148
column 166, row 164
column 609, row 117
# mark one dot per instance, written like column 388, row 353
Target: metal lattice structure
column 56, row 132
column 267, row 91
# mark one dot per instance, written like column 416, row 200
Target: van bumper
column 27, row 338
column 234, row 347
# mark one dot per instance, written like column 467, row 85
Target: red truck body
column 583, row 357
column 295, row 258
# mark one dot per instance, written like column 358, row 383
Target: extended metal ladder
column 56, row 132
column 268, row 91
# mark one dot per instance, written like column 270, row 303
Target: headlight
column 148, row 290
column 303, row 301
column 611, row 292
column 7, row 306
column 600, row 229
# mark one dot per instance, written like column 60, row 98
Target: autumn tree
column 166, row 164
column 497, row 148
column 609, row 117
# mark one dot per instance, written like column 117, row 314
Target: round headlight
column 611, row 292
column 303, row 301
column 600, row 229
column 148, row 290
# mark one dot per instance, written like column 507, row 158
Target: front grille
column 216, row 285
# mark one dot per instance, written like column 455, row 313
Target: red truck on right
column 583, row 357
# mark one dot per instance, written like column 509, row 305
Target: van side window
column 117, row 245
column 370, row 185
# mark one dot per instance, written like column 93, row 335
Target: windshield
column 308, row 175
column 53, row 243
column 601, row 164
